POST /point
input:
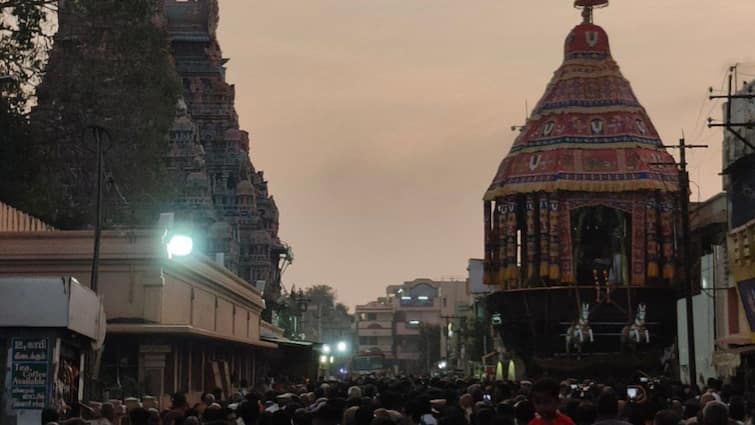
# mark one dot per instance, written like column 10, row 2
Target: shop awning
column 151, row 329
column 67, row 304
column 288, row 342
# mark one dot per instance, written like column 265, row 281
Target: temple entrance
column 601, row 245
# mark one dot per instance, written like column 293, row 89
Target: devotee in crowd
column 409, row 400
column 545, row 397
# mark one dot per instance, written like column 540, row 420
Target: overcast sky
column 380, row 123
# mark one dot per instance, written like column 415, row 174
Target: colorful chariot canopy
column 588, row 133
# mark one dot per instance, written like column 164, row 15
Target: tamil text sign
column 30, row 364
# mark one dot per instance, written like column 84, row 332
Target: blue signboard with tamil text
column 30, row 365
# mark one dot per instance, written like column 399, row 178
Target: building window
column 418, row 301
column 413, row 324
column 371, row 316
column 368, row 340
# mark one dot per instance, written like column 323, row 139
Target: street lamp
column 326, row 348
column 99, row 133
column 299, row 305
column 179, row 246
column 342, row 347
column 177, row 243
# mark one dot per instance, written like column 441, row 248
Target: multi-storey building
column 738, row 344
column 708, row 224
column 742, row 111
column 411, row 324
column 375, row 327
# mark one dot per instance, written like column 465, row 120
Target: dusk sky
column 380, row 123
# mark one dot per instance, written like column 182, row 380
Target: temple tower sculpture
column 241, row 224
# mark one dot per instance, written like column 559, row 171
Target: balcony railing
column 375, row 332
column 742, row 251
column 375, row 324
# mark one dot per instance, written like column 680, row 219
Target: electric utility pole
column 98, row 134
column 686, row 250
column 730, row 126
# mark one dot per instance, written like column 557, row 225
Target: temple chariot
column 582, row 223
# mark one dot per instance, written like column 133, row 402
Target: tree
column 25, row 37
column 324, row 314
column 17, row 167
column 321, row 295
column 26, row 29
column 111, row 67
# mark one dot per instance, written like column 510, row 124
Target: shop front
column 173, row 324
column 741, row 341
column 48, row 328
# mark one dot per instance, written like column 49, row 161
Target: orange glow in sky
column 380, row 123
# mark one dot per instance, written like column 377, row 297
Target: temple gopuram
column 582, row 222
column 223, row 195
column 219, row 197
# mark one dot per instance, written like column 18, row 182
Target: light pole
column 300, row 306
column 98, row 132
column 686, row 250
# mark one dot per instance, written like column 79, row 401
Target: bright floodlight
column 341, row 347
column 326, row 348
column 323, row 359
column 180, row 246
column 332, row 359
column 442, row 365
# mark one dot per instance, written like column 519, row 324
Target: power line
column 700, row 125
column 730, row 126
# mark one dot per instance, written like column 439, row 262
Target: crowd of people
column 441, row 401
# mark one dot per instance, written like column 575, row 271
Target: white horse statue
column 579, row 330
column 636, row 332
